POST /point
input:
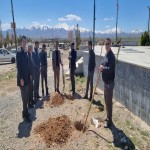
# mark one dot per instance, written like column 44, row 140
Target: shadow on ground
column 5, row 63
column 120, row 139
column 98, row 104
column 24, row 127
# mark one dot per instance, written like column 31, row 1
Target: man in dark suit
column 36, row 64
column 72, row 66
column 43, row 63
column 30, row 53
column 23, row 77
column 91, row 68
column 56, row 61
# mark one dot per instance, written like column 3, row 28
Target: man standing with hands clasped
column 43, row 63
column 56, row 61
column 108, row 75
column 91, row 68
column 23, row 77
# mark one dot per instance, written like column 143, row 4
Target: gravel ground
column 19, row 135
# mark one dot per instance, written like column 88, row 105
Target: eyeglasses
column 107, row 44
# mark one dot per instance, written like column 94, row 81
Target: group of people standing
column 31, row 63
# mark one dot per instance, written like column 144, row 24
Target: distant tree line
column 145, row 39
column 9, row 40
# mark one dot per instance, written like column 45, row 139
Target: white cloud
column 49, row 20
column 6, row 26
column 70, row 17
column 107, row 26
column 108, row 19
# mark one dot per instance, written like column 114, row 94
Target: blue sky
column 133, row 14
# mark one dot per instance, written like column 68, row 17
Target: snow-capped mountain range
column 61, row 31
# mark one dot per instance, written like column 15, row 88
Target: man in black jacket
column 72, row 66
column 43, row 63
column 23, row 77
column 108, row 75
column 91, row 68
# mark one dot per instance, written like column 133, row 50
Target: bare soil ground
column 53, row 123
column 5, row 67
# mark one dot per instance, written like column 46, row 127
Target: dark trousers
column 36, row 83
column 31, row 92
column 56, row 78
column 89, row 81
column 44, row 77
column 108, row 94
column 72, row 79
column 25, row 100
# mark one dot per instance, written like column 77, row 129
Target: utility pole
column 149, row 21
column 13, row 24
column 1, row 36
column 117, row 8
column 94, row 26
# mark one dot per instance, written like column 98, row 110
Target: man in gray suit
column 36, row 64
column 30, row 54
column 56, row 61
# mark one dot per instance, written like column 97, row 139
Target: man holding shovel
column 108, row 75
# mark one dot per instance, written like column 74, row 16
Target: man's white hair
column 30, row 46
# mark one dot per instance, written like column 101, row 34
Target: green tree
column 12, row 39
column 78, row 38
column 19, row 39
column 5, row 43
column 1, row 44
column 7, row 38
column 145, row 40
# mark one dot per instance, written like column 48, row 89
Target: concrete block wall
column 132, row 86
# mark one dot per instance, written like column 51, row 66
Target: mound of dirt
column 55, row 131
column 56, row 99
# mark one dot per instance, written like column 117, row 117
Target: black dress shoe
column 39, row 96
column 107, row 124
column 58, row 91
column 27, row 119
column 73, row 93
column 25, row 115
column 90, row 98
column 85, row 97
column 31, row 106
column 33, row 102
column 47, row 94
